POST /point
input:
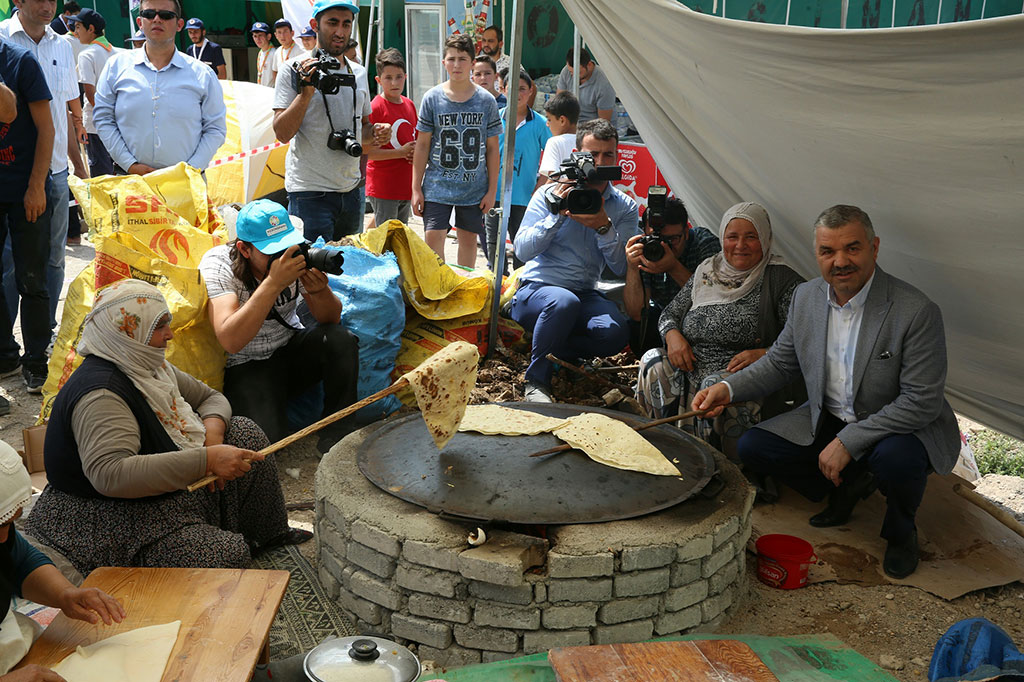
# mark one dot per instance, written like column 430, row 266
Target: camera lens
column 654, row 249
column 352, row 147
column 325, row 260
column 583, row 201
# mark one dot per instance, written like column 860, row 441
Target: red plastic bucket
column 782, row 560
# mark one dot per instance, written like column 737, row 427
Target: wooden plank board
column 722, row 660
column 225, row 618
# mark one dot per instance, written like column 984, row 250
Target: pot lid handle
column 364, row 650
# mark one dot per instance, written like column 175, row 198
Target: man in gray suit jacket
column 873, row 355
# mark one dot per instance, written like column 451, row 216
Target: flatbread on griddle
column 611, row 442
column 442, row 384
column 506, row 421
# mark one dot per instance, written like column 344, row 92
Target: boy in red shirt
column 389, row 169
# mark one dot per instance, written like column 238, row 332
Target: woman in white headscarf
column 128, row 432
column 723, row 319
column 27, row 572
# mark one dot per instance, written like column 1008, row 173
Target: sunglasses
column 164, row 14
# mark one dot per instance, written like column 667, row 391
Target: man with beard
column 206, row 51
column 493, row 45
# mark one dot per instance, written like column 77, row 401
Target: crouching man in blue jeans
column 565, row 254
column 254, row 285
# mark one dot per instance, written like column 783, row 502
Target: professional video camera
column 323, row 78
column 324, row 260
column 654, row 217
column 581, row 199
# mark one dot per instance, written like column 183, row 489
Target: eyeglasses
column 164, row 14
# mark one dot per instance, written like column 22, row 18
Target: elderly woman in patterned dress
column 128, row 432
column 723, row 319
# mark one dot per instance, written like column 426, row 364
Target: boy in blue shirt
column 455, row 163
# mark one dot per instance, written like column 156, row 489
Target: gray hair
column 844, row 214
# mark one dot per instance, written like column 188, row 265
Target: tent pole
column 507, row 162
column 380, row 27
column 369, row 32
column 844, row 11
column 576, row 61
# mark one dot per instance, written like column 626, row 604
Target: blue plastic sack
column 975, row 649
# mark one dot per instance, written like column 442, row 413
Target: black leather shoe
column 843, row 499
column 901, row 557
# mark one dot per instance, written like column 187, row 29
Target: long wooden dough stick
column 312, row 428
column 579, row 370
column 656, row 422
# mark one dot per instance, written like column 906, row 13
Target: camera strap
column 327, row 108
column 273, row 314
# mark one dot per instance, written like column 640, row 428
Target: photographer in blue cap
column 206, row 51
column 254, row 284
column 322, row 107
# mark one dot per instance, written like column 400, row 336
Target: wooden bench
column 225, row 618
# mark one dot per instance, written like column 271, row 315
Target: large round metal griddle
column 491, row 478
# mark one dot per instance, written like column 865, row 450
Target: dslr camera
column 345, row 141
column 654, row 217
column 323, row 78
column 581, row 199
column 324, row 260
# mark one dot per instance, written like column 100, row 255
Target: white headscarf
column 123, row 318
column 15, row 485
column 716, row 282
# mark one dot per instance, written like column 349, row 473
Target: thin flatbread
column 442, row 384
column 495, row 420
column 138, row 655
column 610, row 442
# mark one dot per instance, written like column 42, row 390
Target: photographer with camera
column 322, row 106
column 254, row 286
column 572, row 229
column 658, row 264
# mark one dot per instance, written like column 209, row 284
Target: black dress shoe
column 901, row 557
column 843, row 499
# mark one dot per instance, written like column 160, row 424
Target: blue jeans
column 30, row 242
column 331, row 215
column 569, row 324
column 100, row 162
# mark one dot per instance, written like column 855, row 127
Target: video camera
column 323, row 78
column 581, row 199
column 654, row 217
column 325, row 260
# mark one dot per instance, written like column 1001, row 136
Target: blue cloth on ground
column 975, row 649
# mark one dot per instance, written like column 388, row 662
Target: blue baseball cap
column 137, row 37
column 282, row 22
column 260, row 27
column 324, row 5
column 266, row 225
column 90, row 17
column 308, row 32
column 194, row 23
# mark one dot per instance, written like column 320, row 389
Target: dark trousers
column 643, row 333
column 261, row 389
column 100, row 162
column 30, row 248
column 492, row 226
column 899, row 463
column 570, row 324
column 331, row 215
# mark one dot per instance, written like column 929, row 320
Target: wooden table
column 225, row 618
column 692, row 661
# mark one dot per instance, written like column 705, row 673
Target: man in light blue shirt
column 565, row 254
column 156, row 107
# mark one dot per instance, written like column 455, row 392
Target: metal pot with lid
column 361, row 659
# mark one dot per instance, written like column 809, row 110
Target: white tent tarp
column 921, row 127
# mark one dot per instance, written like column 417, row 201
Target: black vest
column 60, row 452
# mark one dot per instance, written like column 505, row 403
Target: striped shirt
column 58, row 63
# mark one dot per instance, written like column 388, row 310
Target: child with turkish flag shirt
column 389, row 169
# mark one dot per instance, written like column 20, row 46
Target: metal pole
column 844, row 11
column 369, row 33
column 512, row 88
column 380, row 27
column 576, row 62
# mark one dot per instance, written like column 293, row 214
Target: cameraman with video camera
column 658, row 264
column 572, row 229
column 254, row 285
column 322, row 106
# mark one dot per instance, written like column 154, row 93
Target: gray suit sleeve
column 922, row 379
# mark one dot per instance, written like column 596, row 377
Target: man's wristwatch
column 604, row 228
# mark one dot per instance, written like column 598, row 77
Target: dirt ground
column 894, row 626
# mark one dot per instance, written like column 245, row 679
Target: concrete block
column 332, row 563
column 543, row 640
column 697, row 548
column 580, row 589
column 346, row 577
column 717, row 560
column 725, row 530
column 636, row 631
column 504, row 616
column 430, row 554
column 540, row 593
column 492, row 639
column 335, row 516
column 712, row 607
column 569, row 617
column 496, row 656
column 683, row 574
column 520, row 594
column 679, row 598
column 744, row 536
column 642, row 583
column 437, row 607
column 329, row 582
column 373, row 561
column 450, row 657
column 642, row 558
column 622, row 610
column 328, row 535
column 441, row 583
column 421, row 630
column 376, row 539
column 503, row 559
column 363, row 609
column 669, row 623
column 376, row 590
column 580, row 566
column 724, row 578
